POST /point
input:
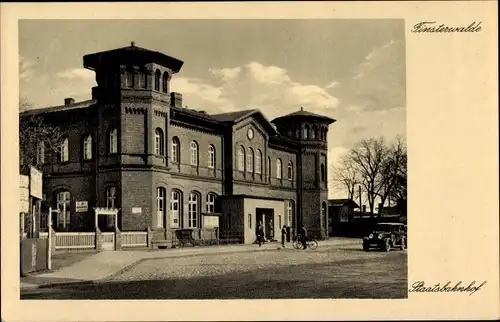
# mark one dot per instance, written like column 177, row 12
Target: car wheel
column 387, row 245
column 403, row 243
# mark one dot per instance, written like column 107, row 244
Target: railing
column 74, row 240
column 134, row 239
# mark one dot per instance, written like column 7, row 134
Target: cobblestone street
column 328, row 272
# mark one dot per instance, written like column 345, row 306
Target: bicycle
column 311, row 243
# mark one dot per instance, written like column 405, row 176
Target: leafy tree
column 36, row 138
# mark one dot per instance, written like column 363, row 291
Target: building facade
column 134, row 147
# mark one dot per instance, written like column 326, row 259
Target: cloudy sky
column 351, row 70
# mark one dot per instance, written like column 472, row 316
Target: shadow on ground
column 368, row 279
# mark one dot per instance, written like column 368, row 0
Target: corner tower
column 310, row 131
column 133, row 118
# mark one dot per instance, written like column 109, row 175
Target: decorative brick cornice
column 135, row 110
column 160, row 113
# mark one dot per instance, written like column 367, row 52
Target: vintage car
column 386, row 236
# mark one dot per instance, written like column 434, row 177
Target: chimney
column 69, row 101
column 176, row 99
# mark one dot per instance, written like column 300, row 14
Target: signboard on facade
column 82, row 206
column 136, row 210
column 210, row 221
column 36, row 183
column 24, row 194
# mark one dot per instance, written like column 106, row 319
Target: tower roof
column 131, row 54
column 304, row 114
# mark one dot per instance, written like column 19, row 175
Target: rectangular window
column 175, row 209
column 193, row 210
column 63, row 205
column 110, row 197
column 160, row 206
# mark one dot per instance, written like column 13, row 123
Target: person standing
column 283, row 236
column 260, row 233
column 303, row 236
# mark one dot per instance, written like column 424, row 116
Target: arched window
column 297, row 133
column 157, row 80
column 194, row 153
column 269, row 169
column 165, row 82
column 87, row 148
column 63, row 155
column 40, row 153
column 143, row 79
column 314, row 133
column 241, row 158
column 324, row 214
column 279, row 170
column 322, row 173
column 129, row 75
column 176, row 156
column 161, row 195
column 290, row 170
column 63, row 199
column 113, row 141
column 305, row 135
column 193, row 210
column 211, row 198
column 250, row 160
column 258, row 162
column 290, row 211
column 159, row 142
column 211, row 156
column 175, row 208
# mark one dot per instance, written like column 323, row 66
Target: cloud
column 379, row 81
column 254, row 85
column 26, row 71
column 76, row 74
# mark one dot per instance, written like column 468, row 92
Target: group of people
column 284, row 232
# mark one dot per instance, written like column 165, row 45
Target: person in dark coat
column 260, row 233
column 283, row 235
column 303, row 236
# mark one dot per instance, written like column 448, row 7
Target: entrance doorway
column 266, row 217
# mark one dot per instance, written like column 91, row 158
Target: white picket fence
column 134, row 239
column 75, row 240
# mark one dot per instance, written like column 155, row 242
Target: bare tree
column 368, row 159
column 36, row 139
column 346, row 176
column 392, row 170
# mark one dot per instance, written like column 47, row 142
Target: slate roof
column 349, row 202
column 233, row 117
column 61, row 108
column 303, row 113
column 91, row 61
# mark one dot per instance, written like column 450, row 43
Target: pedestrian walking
column 283, row 235
column 303, row 236
column 260, row 233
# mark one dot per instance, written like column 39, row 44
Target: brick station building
column 134, row 146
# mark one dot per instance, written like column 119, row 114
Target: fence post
column 52, row 234
column 149, row 238
column 118, row 239
column 49, row 246
column 98, row 239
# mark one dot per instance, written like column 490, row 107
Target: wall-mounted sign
column 136, row 210
column 24, row 181
column 36, row 183
column 24, row 194
column 82, row 206
column 210, row 221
